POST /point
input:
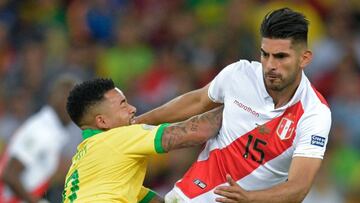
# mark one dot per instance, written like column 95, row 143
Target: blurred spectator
column 7, row 52
column 156, row 49
column 18, row 105
column 28, row 71
column 94, row 20
column 345, row 101
column 166, row 78
column 129, row 57
column 342, row 39
column 34, row 151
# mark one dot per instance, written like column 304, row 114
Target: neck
column 83, row 127
column 283, row 96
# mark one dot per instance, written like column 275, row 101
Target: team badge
column 285, row 128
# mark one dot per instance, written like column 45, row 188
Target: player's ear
column 306, row 58
column 100, row 121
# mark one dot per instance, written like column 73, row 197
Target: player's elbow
column 199, row 139
column 207, row 132
column 301, row 191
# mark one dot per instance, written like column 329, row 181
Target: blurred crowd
column 157, row 49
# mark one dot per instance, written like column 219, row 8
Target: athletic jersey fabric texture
column 110, row 166
column 256, row 142
column 37, row 144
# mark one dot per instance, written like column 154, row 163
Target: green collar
column 90, row 132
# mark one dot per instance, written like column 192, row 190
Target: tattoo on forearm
column 193, row 127
column 193, row 131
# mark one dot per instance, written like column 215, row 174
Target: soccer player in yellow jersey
column 110, row 163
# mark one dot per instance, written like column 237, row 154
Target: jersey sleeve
column 25, row 147
column 222, row 83
column 313, row 135
column 139, row 140
column 145, row 195
column 217, row 86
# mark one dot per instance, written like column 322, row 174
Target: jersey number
column 256, row 147
column 73, row 183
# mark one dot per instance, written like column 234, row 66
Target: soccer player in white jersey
column 33, row 154
column 275, row 124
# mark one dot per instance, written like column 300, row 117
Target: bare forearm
column 285, row 192
column 16, row 186
column 193, row 131
column 168, row 112
column 301, row 176
column 11, row 177
column 179, row 109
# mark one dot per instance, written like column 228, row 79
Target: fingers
column 227, row 194
column 225, row 200
column 230, row 180
column 227, row 188
column 133, row 121
column 231, row 193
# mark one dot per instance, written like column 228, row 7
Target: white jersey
column 37, row 144
column 256, row 142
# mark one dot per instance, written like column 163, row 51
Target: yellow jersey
column 110, row 166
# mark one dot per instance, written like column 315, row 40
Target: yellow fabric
column 111, row 166
column 143, row 192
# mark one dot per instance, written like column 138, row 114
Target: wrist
column 250, row 196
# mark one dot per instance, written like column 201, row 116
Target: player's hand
column 232, row 193
column 133, row 121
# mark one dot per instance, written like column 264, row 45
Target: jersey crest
column 286, row 127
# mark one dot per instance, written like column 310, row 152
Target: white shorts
column 173, row 197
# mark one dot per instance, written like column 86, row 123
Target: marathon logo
column 199, row 183
column 318, row 140
column 246, row 108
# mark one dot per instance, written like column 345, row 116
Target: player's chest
column 255, row 126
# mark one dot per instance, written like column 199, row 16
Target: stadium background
column 158, row 49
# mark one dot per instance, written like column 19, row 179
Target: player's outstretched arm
column 180, row 108
column 194, row 131
column 11, row 176
column 293, row 190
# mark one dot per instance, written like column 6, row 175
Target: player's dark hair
column 285, row 23
column 85, row 95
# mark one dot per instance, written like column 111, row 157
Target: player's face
column 116, row 111
column 281, row 63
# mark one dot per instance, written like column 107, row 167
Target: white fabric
column 243, row 80
column 38, row 144
column 240, row 86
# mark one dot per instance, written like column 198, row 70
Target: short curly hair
column 85, row 95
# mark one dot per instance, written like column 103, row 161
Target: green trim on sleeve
column 148, row 197
column 158, row 138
